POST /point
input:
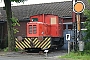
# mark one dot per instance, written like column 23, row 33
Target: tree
column 87, row 22
column 87, row 26
column 11, row 40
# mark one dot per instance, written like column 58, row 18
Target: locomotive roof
column 23, row 12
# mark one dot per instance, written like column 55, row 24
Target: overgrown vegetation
column 87, row 46
column 85, row 55
column 6, row 49
column 86, row 38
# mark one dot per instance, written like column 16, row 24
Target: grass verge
column 85, row 55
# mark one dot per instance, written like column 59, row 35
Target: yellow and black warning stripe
column 29, row 42
column 23, row 44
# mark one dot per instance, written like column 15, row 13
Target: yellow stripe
column 27, row 44
column 19, row 46
column 24, row 45
column 49, row 46
column 37, row 44
column 46, row 45
column 35, row 40
column 46, row 38
column 29, row 39
column 42, row 42
column 26, row 39
column 20, row 43
column 16, row 39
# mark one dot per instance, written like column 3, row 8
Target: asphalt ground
column 54, row 55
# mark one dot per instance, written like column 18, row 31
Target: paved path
column 31, row 56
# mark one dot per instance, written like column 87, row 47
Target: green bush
column 87, row 46
column 16, row 49
column 87, row 52
column 6, row 49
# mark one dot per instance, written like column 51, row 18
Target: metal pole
column 74, row 26
column 78, row 27
column 68, row 47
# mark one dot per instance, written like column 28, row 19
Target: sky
column 32, row 2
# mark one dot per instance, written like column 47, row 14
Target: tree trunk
column 11, row 42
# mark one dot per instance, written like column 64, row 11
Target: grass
column 77, row 56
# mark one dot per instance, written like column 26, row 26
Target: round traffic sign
column 79, row 7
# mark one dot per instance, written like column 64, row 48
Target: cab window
column 34, row 19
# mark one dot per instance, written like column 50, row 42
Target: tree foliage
column 87, row 26
column 87, row 22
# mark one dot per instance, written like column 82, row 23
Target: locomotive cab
column 37, row 29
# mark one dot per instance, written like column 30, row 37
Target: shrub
column 87, row 45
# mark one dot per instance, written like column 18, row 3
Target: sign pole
column 68, row 47
column 68, row 39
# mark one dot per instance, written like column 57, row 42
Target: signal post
column 79, row 7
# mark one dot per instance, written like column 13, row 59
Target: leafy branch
column 15, row 22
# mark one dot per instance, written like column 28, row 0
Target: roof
column 58, row 8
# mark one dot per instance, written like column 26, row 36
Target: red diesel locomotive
column 44, row 31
